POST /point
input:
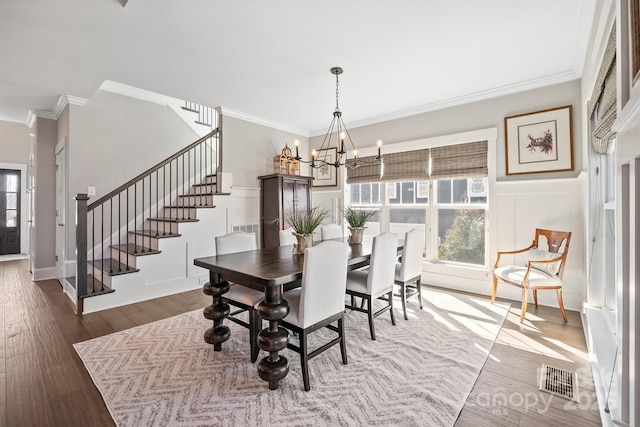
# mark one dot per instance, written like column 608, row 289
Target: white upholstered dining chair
column 240, row 296
column 409, row 269
column 376, row 281
column 331, row 231
column 319, row 301
column 287, row 237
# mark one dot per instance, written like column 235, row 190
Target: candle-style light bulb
column 313, row 158
column 296, row 143
column 342, row 143
column 379, row 145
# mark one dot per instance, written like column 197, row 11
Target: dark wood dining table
column 272, row 270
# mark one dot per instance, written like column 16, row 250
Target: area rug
column 419, row 372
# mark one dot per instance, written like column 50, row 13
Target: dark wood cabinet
column 279, row 196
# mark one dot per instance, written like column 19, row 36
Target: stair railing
column 117, row 219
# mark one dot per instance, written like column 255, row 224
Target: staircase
column 117, row 232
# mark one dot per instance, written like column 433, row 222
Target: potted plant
column 304, row 225
column 357, row 218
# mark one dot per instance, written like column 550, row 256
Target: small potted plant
column 304, row 225
column 357, row 218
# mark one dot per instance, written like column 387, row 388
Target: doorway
column 9, row 211
column 60, row 214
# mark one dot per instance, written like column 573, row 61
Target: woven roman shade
column 603, row 102
column 460, row 161
column 403, row 166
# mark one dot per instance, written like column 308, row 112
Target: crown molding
column 62, row 103
column 461, row 100
column 134, row 92
column 263, row 122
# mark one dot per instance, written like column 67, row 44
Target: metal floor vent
column 560, row 382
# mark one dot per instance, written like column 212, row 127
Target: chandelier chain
column 337, row 91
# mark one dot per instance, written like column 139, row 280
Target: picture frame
column 539, row 142
column 326, row 175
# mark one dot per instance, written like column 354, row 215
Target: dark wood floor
column 43, row 381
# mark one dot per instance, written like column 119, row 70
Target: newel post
column 81, row 250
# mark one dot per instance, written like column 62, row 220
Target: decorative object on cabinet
column 280, row 195
column 285, row 162
column 538, row 142
column 326, row 175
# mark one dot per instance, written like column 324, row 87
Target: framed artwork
column 538, row 142
column 326, row 175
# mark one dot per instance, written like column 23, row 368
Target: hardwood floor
column 43, row 381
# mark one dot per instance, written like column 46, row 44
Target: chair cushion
column 243, row 295
column 293, row 298
column 514, row 275
column 552, row 268
column 357, row 280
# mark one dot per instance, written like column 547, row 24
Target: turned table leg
column 217, row 311
column 273, row 339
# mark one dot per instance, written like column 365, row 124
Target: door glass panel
column 12, row 218
column 12, row 183
column 12, row 201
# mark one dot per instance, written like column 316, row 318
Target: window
column 457, row 231
column 441, row 190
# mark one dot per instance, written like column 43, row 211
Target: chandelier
column 321, row 158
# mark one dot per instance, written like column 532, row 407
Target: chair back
column 236, row 242
column 411, row 264
column 331, row 231
column 324, row 282
column 555, row 240
column 287, row 237
column 382, row 267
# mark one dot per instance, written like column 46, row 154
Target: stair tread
column 190, row 206
column 94, row 286
column 113, row 266
column 153, row 233
column 190, row 109
column 135, row 250
column 173, row 219
column 204, row 194
column 203, row 123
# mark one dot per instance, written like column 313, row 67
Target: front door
column 9, row 211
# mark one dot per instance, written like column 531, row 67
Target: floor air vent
column 560, row 382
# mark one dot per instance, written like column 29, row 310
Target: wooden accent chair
column 287, row 237
column 544, row 268
column 239, row 296
column 319, row 301
column 377, row 280
column 409, row 269
column 331, row 231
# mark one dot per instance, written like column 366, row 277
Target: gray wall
column 15, row 143
column 44, row 219
column 480, row 115
column 249, row 150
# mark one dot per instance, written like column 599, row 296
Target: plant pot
column 356, row 235
column 303, row 241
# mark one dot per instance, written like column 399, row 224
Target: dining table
column 273, row 271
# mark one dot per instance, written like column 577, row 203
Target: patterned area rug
column 418, row 372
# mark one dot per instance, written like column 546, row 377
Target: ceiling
column 270, row 60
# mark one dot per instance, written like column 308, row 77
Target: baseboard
column 44, row 273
